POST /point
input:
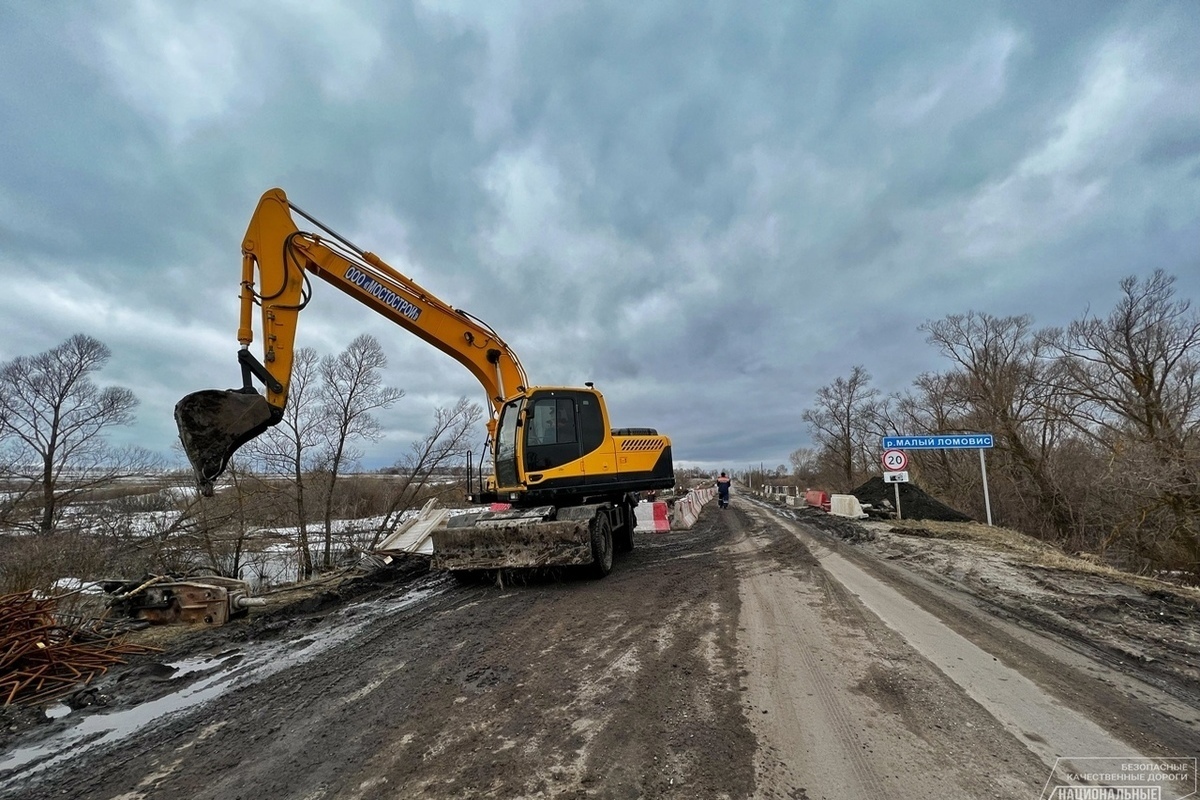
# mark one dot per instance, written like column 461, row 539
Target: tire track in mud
column 572, row 688
column 794, row 663
column 851, row 710
column 651, row 683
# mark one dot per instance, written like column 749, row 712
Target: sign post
column 987, row 501
column 895, row 466
column 954, row 441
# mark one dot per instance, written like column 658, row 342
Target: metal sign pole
column 898, row 514
column 987, row 501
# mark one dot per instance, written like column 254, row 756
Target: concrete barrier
column 686, row 513
column 653, row 517
column 414, row 536
column 687, row 509
column 846, row 505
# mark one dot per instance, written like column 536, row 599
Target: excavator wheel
column 602, row 545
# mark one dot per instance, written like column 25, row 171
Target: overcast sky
column 709, row 209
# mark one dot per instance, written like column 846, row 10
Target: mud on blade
column 513, row 539
column 214, row 423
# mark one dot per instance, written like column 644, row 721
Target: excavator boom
column 277, row 260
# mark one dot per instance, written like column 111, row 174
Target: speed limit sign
column 895, row 460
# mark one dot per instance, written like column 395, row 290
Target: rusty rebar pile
column 43, row 657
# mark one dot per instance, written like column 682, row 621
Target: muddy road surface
column 754, row 656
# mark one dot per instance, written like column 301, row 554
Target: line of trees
column 55, row 461
column 1096, row 425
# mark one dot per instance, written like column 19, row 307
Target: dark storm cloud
column 710, row 209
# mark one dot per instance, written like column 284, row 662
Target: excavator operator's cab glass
column 561, row 427
column 551, row 421
column 506, row 445
column 591, row 422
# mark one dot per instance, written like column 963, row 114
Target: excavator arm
column 213, row 424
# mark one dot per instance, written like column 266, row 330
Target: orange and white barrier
column 653, row 517
column 817, row 498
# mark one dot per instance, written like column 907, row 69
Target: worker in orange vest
column 723, row 491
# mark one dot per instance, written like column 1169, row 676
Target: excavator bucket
column 214, row 423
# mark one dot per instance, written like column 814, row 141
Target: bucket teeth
column 213, row 424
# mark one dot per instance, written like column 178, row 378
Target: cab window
column 551, row 421
column 551, row 432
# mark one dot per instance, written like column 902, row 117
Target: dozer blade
column 509, row 540
column 213, row 424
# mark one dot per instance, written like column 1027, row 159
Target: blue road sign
column 954, row 441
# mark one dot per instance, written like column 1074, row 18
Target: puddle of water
column 187, row 666
column 246, row 667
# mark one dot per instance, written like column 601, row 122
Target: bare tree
column 1139, row 369
column 846, row 425
column 1134, row 377
column 446, row 445
column 1000, row 376
column 804, row 463
column 292, row 447
column 351, row 389
column 54, row 418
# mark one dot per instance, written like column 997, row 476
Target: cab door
column 599, row 460
column 552, row 436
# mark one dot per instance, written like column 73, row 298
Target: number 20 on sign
column 895, row 460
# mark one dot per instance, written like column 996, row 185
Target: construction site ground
column 767, row 652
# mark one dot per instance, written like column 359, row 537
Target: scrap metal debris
column 44, row 656
column 161, row 599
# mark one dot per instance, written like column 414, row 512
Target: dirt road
column 753, row 656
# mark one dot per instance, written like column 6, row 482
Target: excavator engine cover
column 214, row 423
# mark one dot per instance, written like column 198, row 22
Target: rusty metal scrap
column 44, row 656
column 162, row 599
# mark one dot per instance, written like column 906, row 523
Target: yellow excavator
column 570, row 481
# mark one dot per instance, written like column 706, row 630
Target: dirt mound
column 914, row 503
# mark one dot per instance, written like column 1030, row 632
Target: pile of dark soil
column 914, row 503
